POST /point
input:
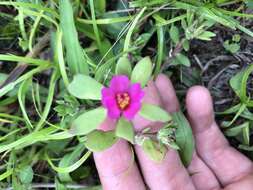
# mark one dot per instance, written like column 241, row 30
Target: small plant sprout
column 167, row 136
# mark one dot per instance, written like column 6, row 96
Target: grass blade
column 75, row 56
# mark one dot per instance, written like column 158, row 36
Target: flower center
column 123, row 100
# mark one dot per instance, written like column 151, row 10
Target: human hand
column 215, row 164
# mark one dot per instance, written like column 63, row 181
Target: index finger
column 116, row 166
column 170, row 172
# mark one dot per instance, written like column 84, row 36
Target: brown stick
column 21, row 67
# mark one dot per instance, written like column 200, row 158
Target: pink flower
column 122, row 98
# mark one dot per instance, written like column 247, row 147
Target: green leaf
column 142, row 71
column 70, row 168
column 123, row 67
column 23, row 89
column 69, row 159
column 125, row 130
column 16, row 183
column 181, row 59
column 238, row 113
column 85, row 87
column 231, row 47
column 99, row 140
column 154, row 113
column 184, row 137
column 6, row 174
column 9, row 87
column 234, row 131
column 239, row 85
column 236, row 82
column 247, row 114
column 186, row 45
column 230, row 110
column 155, row 151
column 100, row 5
column 236, row 38
column 26, row 174
column 245, row 78
column 131, row 29
column 59, row 186
column 75, row 56
column 246, row 135
column 174, row 34
column 242, row 132
column 246, row 147
column 160, row 55
column 3, row 77
column 88, row 121
column 28, row 60
column 59, row 56
column 206, row 35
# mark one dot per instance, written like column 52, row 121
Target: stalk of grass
column 71, row 168
column 4, row 90
column 95, row 27
column 131, row 30
column 33, row 30
column 49, row 101
column 31, row 5
column 75, row 57
column 21, row 98
column 160, row 49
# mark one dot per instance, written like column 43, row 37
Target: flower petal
column 112, row 108
column 107, row 96
column 132, row 110
column 109, row 102
column 113, row 113
column 119, row 83
column 136, row 93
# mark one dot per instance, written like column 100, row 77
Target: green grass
column 46, row 43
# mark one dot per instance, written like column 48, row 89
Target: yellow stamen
column 123, row 100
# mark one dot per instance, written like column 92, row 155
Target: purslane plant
column 122, row 100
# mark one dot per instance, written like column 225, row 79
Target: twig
column 198, row 62
column 212, row 81
column 224, row 101
column 21, row 67
column 219, row 58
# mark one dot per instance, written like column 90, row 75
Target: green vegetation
column 47, row 45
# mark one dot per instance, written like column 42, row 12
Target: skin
column 215, row 164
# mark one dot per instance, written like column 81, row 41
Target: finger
column 169, row 173
column 200, row 172
column 151, row 97
column 164, row 175
column 116, row 166
column 245, row 184
column 167, row 93
column 211, row 145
